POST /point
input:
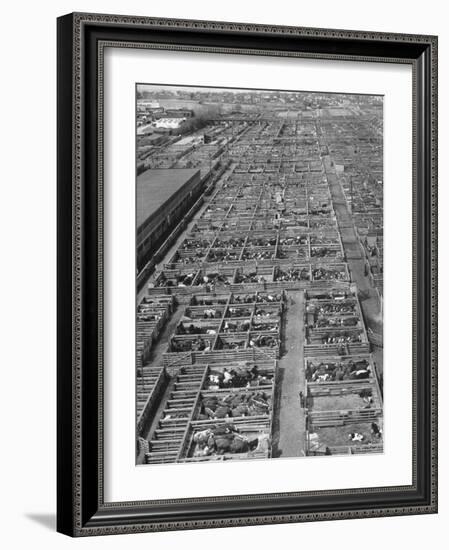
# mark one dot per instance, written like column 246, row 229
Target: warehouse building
column 163, row 198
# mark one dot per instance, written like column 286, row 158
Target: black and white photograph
column 259, row 274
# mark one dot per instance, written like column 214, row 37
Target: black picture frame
column 81, row 510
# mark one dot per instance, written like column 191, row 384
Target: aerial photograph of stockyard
column 259, row 274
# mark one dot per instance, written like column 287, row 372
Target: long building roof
column 155, row 187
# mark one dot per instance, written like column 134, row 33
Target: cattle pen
column 252, row 333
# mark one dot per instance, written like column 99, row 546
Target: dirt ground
column 335, row 436
column 336, row 402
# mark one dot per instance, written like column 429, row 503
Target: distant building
column 150, row 139
column 178, row 113
column 169, row 123
column 144, row 104
column 163, row 198
column 145, row 129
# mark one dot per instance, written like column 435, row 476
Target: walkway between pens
column 354, row 255
column 351, row 244
column 289, row 418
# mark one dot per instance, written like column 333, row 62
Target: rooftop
column 155, row 187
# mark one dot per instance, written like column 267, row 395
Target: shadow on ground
column 275, row 451
column 46, row 520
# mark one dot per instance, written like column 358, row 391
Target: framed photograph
column 247, row 247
